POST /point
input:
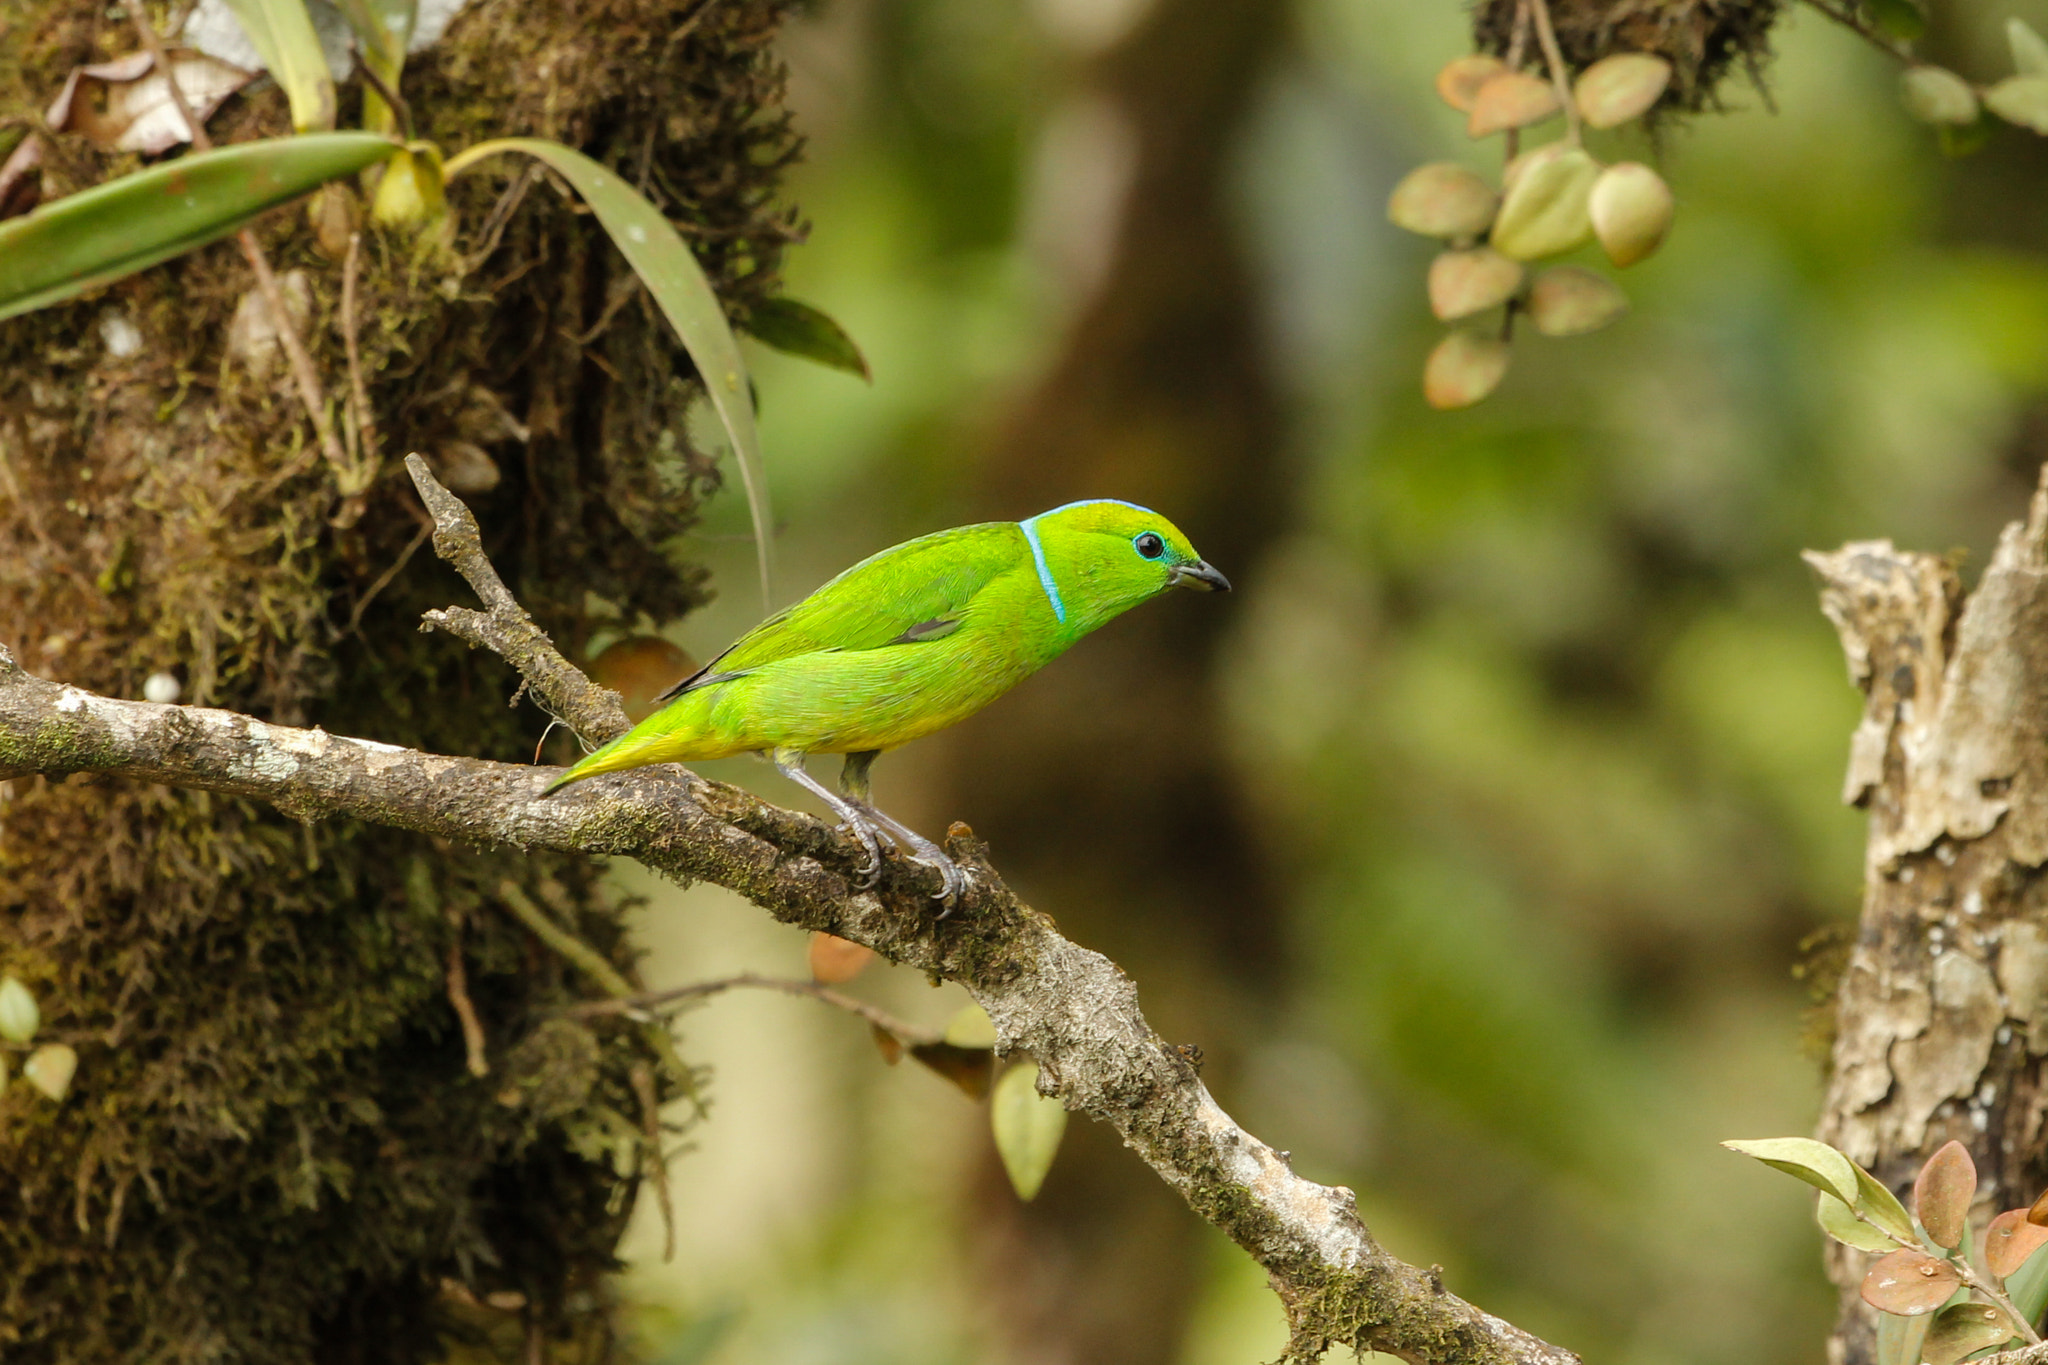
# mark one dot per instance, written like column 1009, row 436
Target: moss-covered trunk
column 276, row 1149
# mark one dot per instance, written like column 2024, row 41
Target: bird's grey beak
column 1197, row 575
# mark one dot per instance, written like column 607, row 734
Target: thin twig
column 653, row 1001
column 642, row 1077
column 355, row 617
column 391, row 97
column 501, row 214
column 1848, row 18
column 359, row 392
column 458, row 996
column 1518, row 44
column 1553, row 57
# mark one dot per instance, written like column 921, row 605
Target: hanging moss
column 275, row 1150
column 1704, row 40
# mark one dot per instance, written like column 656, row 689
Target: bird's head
column 1108, row 556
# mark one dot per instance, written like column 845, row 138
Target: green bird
column 906, row 642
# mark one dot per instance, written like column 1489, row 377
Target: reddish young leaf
column 888, row 1044
column 1909, row 1283
column 1963, row 1329
column 1942, row 1194
column 2010, row 1240
column 1458, row 83
column 834, row 959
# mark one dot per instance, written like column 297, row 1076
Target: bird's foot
column 863, row 829
column 952, row 878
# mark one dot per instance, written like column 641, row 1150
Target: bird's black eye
column 1149, row 545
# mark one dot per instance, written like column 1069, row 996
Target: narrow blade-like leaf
column 1028, row 1128
column 282, row 32
column 666, row 266
column 795, row 327
column 102, row 234
column 383, row 30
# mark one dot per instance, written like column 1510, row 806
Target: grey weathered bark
column 1072, row 1009
column 1942, row 1015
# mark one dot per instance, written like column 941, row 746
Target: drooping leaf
column 1880, row 1206
column 282, row 32
column 1838, row 1222
column 127, row 105
column 1570, row 300
column 1818, row 1164
column 1631, row 209
column 1513, row 99
column 1548, row 205
column 1909, row 1283
column 1470, row 281
column 1934, row 94
column 383, row 30
column 98, row 235
column 1443, row 199
column 20, row 1017
column 793, row 326
column 970, row 1068
column 1458, row 83
column 50, row 1069
column 1942, row 1194
column 834, row 959
column 1962, row 1328
column 2010, row 1240
column 970, row 1026
column 666, row 266
column 2029, row 49
column 1463, row 368
column 2022, row 100
column 1616, row 89
column 1028, row 1127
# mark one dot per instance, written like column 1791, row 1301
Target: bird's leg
column 853, row 784
column 790, row 763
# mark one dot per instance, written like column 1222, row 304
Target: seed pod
column 1443, row 199
column 2022, row 100
column 1631, row 209
column 1458, row 83
column 50, row 1069
column 1570, row 301
column 1616, row 89
column 1513, row 99
column 19, row 1016
column 1462, row 283
column 1464, row 368
column 1546, row 208
column 1934, row 94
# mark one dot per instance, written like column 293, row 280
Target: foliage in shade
column 1028, row 1127
column 282, row 31
column 797, row 328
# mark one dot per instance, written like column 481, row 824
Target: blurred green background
column 1474, row 838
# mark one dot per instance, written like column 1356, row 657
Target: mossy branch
column 1072, row 1009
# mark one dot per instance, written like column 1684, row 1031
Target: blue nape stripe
column 1052, row 591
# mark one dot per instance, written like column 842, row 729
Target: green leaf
column 970, row 1026
column 1942, row 1194
column 1547, row 207
column 383, row 30
column 1845, row 1227
column 282, row 32
column 102, row 234
column 2027, row 1287
column 1879, row 1206
column 2029, row 49
column 1963, row 1328
column 656, row 251
column 1818, row 1164
column 1934, row 94
column 1898, row 1339
column 2022, row 100
column 1028, row 1127
column 799, row 329
column 1902, row 19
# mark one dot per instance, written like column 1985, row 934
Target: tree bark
column 1942, row 1015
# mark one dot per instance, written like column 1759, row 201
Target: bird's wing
column 906, row 594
